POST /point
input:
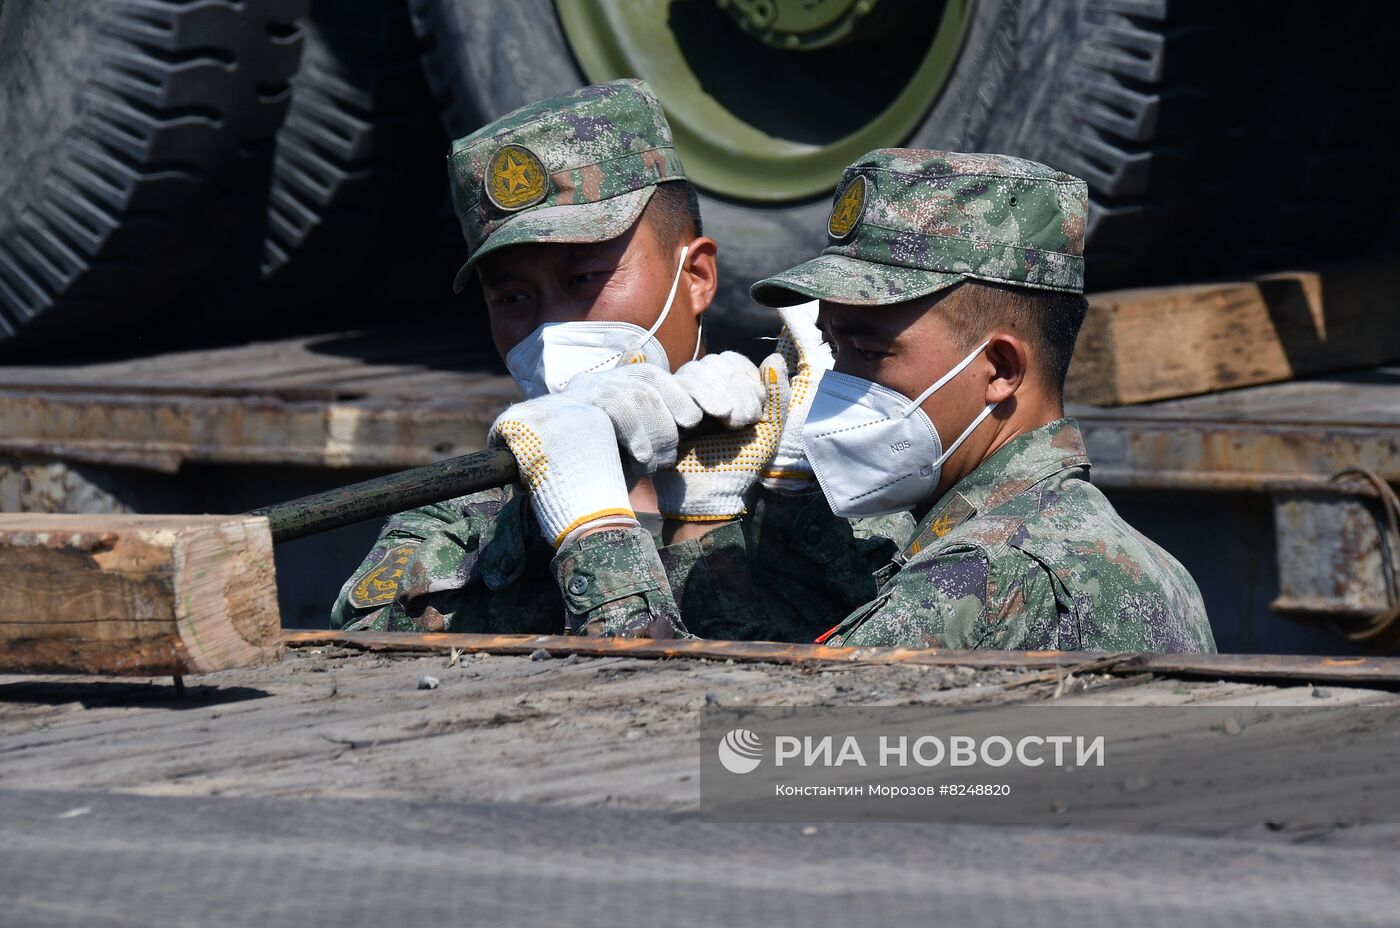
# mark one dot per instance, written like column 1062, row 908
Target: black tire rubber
column 1186, row 119
column 130, row 133
column 358, row 170
column 1229, row 137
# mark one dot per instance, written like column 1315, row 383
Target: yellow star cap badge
column 515, row 178
column 848, row 209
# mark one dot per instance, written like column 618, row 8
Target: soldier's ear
column 702, row 273
column 1010, row 362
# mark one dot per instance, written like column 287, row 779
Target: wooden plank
column 163, row 432
column 1132, row 451
column 362, row 379
column 265, row 366
column 1354, row 671
column 368, row 415
column 123, row 594
column 1158, row 343
column 1367, row 398
column 274, row 402
column 270, row 366
column 184, row 367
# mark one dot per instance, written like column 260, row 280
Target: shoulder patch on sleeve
column 380, row 583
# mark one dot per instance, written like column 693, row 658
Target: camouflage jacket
column 1025, row 553
column 785, row 572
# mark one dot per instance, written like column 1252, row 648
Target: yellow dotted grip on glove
column 792, row 352
column 797, row 362
column 528, row 450
column 748, row 449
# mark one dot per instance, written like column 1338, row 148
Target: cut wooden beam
column 1164, row 342
column 135, row 594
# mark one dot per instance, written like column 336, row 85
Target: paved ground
column 99, row 860
column 329, row 789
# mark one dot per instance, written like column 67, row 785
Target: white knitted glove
column 568, row 461
column 726, row 385
column 714, row 473
column 647, row 407
column 808, row 357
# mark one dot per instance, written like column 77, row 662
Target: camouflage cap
column 579, row 167
column 906, row 223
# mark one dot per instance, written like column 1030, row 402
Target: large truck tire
column 130, row 132
column 1194, row 123
column 357, row 173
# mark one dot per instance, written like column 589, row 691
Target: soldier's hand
column 569, row 462
column 808, row 357
column 714, row 472
column 727, row 386
column 647, row 406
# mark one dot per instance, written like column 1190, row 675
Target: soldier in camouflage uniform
column 564, row 174
column 932, row 255
column 935, row 257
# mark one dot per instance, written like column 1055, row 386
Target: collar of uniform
column 1017, row 466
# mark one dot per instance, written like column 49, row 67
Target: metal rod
column 384, row 496
column 1381, row 672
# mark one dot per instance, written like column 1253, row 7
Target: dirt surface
column 331, row 789
column 331, row 723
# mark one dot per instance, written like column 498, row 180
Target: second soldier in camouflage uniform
column 961, row 274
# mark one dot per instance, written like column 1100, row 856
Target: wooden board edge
column 239, row 595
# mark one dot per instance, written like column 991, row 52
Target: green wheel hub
column 770, row 99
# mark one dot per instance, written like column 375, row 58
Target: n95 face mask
column 873, row 450
column 556, row 352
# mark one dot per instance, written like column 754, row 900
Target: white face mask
column 874, row 451
column 556, row 352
